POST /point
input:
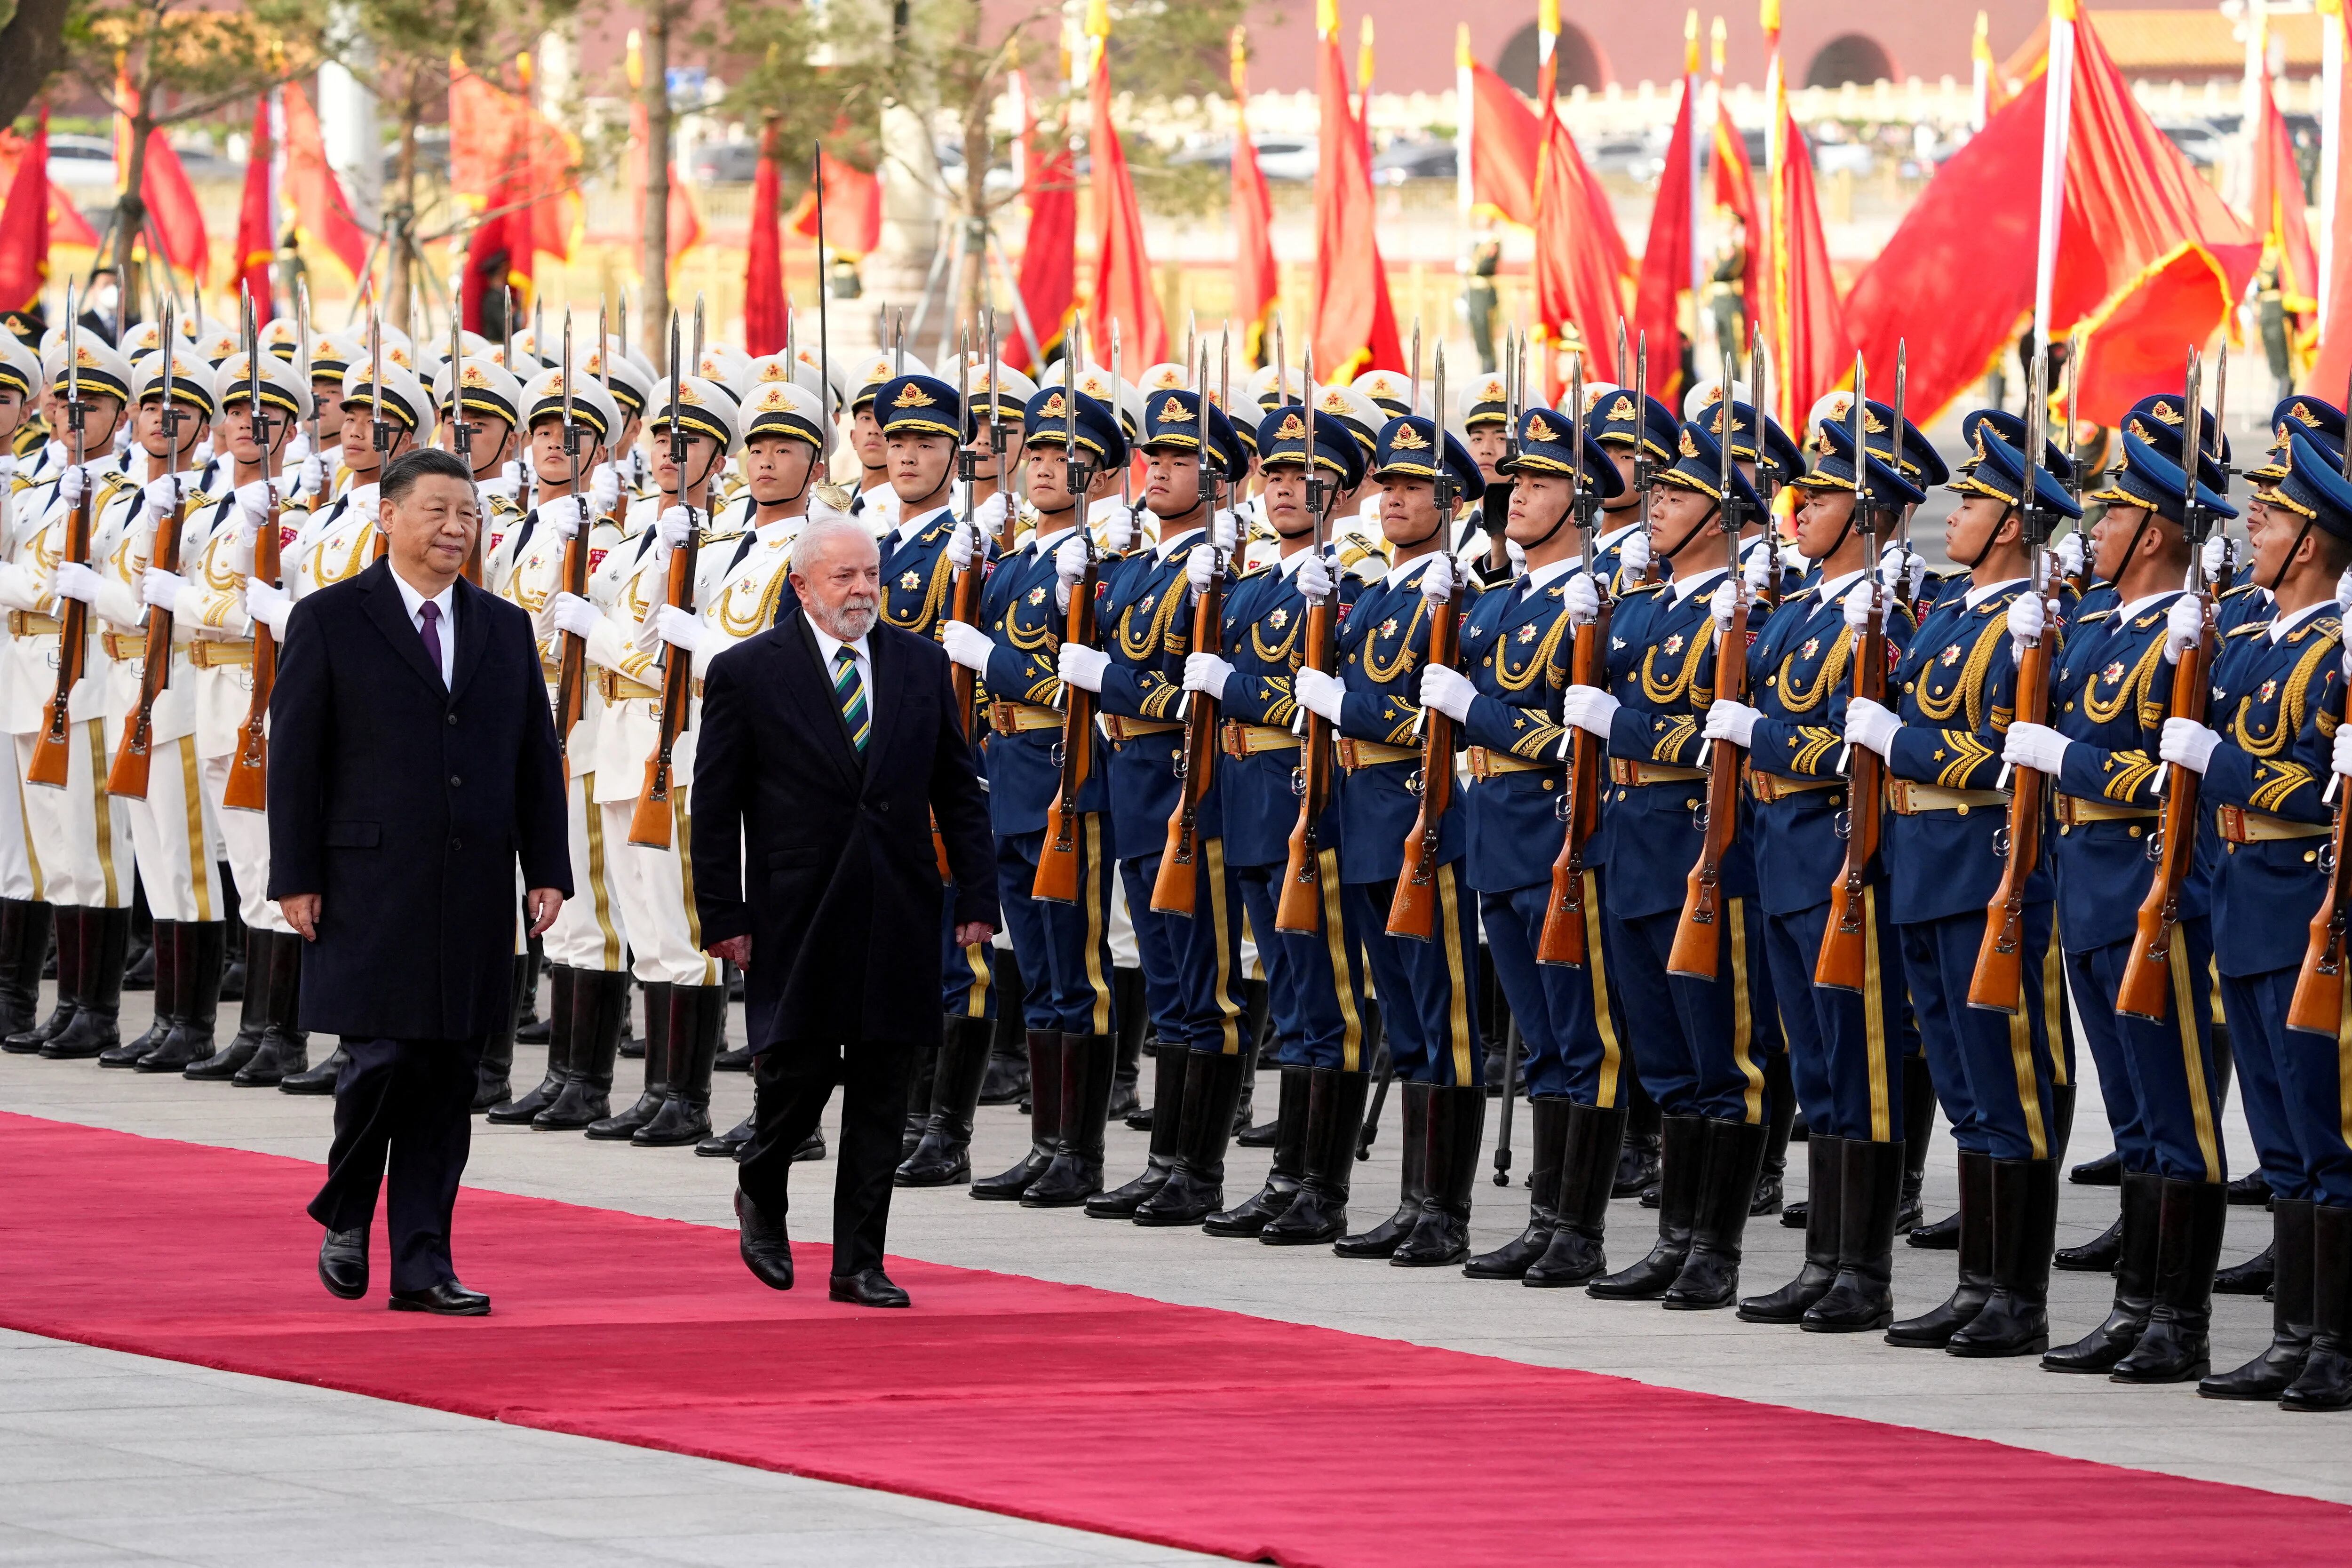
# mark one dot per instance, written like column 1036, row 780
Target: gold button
column 1837, row 800
column 1910, row 686
column 2310, row 855
column 2070, row 707
column 2135, row 831
column 1963, row 810
column 1546, row 783
column 2064, row 828
column 1770, row 679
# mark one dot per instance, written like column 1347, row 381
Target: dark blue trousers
column 2158, row 1077
column 1845, row 1047
column 1428, row 990
column 1065, row 948
column 2298, row 1077
column 1568, row 1018
column 1993, row 1071
column 1315, row 981
column 1698, row 1045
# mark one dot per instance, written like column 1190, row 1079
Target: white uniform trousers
column 20, row 867
column 173, row 832
column 246, row 834
column 656, row 896
column 83, row 834
column 590, row 933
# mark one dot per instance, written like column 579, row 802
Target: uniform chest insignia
column 1388, row 628
column 1674, row 644
column 2219, row 695
column 1144, row 603
column 2269, row 690
column 1952, row 654
column 1813, row 645
column 2112, row 673
column 1279, row 619
column 286, row 535
column 910, row 580
column 1527, row 633
column 595, row 558
column 1616, row 643
column 1037, row 594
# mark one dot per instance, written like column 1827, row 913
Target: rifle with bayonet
column 460, row 435
column 572, row 660
column 52, row 747
column 2317, row 1006
column 129, row 776
column 1174, row 889
column 1057, row 862
column 247, row 787
column 1413, row 909
column 1844, row 962
column 649, row 825
column 1299, row 907
column 1564, row 939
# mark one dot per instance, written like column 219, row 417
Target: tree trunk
column 131, row 217
column 977, row 147
column 400, row 213
column 653, row 259
column 32, row 50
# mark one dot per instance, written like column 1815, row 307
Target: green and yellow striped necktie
column 850, row 693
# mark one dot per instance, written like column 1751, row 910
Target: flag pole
column 2331, row 130
column 2057, row 118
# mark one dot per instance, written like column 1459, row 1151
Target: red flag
column 1504, row 139
column 1807, row 325
column 853, row 208
column 2278, row 214
column 321, row 216
column 24, row 224
column 1049, row 257
column 1734, row 186
column 1354, row 319
column 256, row 242
column 498, row 140
column 765, row 310
column 1123, row 286
column 1666, row 254
column 172, row 207
column 1580, row 260
column 2333, row 364
column 1257, row 279
column 66, row 225
column 2149, row 258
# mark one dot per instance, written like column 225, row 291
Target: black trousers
column 791, row 1085
column 403, row 1109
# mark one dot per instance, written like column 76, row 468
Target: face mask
column 102, row 299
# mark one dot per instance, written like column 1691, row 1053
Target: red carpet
column 1198, row 1428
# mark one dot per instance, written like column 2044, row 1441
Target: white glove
column 122, row 438
column 677, row 525
column 1447, row 690
column 1314, row 577
column 1872, row 724
column 2026, row 620
column 2184, row 627
column 1207, row 674
column 202, row 453
column 2343, row 759
column 72, row 485
column 75, row 581
column 161, row 498
column 2069, row 552
column 1119, row 530
column 681, row 629
column 570, row 613
column 1588, row 709
column 1201, row 567
column 7, row 466
column 1857, row 609
column 1437, row 580
column 298, row 448
column 1633, row 556
column 559, row 517
column 1223, row 530
column 963, row 546
column 2035, row 746
column 2217, row 555
column 1760, row 569
column 161, row 590
column 253, row 505
column 1583, row 600
column 1732, row 722
column 312, row 479
column 272, row 606
column 2188, row 742
column 603, row 491
column 967, row 645
column 1081, row 665
column 2344, row 587
column 1321, row 694
column 1069, row 564
column 1726, row 600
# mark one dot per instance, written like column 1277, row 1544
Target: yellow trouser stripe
column 975, row 1002
column 2343, row 1068
column 40, row 891
column 1457, row 994
column 2184, row 1007
column 1221, row 918
column 1873, row 1021
column 1743, row 1012
column 2053, row 1009
column 597, row 889
column 1343, row 975
column 1090, row 893
column 2029, row 1092
column 192, row 790
column 102, row 812
column 1611, row 1058
column 682, row 838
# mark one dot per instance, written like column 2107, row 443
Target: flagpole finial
column 1548, row 18
column 2064, row 11
column 1768, row 15
column 1690, row 42
column 1717, row 37
column 1237, row 58
column 1098, row 18
column 1463, row 57
column 1327, row 18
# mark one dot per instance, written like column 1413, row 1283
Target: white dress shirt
column 447, row 631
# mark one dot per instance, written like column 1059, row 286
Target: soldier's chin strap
column 1709, row 515
column 1992, row 536
column 2288, row 559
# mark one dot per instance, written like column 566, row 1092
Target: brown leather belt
column 1355, row 754
column 1241, row 740
column 1018, row 718
column 2239, row 825
column 220, row 654
column 30, row 624
column 1487, row 765
column 1909, row 797
column 1627, row 771
column 1771, row 787
column 1118, row 727
column 2074, row 810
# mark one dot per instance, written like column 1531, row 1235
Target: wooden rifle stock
column 572, row 662
column 963, row 605
column 247, row 788
column 1699, row 942
column 2146, row 988
column 52, row 747
column 649, row 825
column 1057, row 862
column 1299, row 906
column 1998, row 984
column 1172, row 889
column 129, row 776
column 2317, row 1006
column 1412, row 912
column 1843, row 962
column 1562, row 939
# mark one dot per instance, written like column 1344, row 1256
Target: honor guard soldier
column 25, row 917
column 1064, row 946
column 1781, row 460
column 2109, row 700
column 490, row 412
column 341, row 540
column 630, row 382
column 1698, row 1044
column 2157, row 420
column 1942, row 731
column 1845, row 1044
column 330, row 356
column 628, row 641
column 587, row 947
column 2276, row 713
column 82, row 844
column 877, row 505
column 1626, row 435
column 1190, row 965
column 1517, row 643
column 1428, row 990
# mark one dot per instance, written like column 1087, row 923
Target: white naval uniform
column 20, row 867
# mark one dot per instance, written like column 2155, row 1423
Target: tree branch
column 32, row 50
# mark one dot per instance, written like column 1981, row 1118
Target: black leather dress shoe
column 767, row 1250
column 447, row 1300
column 867, row 1288
column 343, row 1263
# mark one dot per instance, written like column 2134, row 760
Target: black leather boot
column 1779, row 1116
column 68, row 928
column 1824, row 1217
column 1412, row 1149
column 599, row 1000
column 2062, row 1120
column 1934, row 1329
column 2253, row 1190
column 1335, row 1116
column 1548, row 1115
column 2016, row 1319
column 24, row 945
column 1710, row 1272
column 1075, row 1171
column 1134, row 1022
column 730, row 1144
column 2325, row 1381
column 1166, row 1119
column 1637, row 1162
column 2174, row 1347
column 202, row 945
column 1918, row 1127
column 2256, row 1275
column 922, row 1072
column 2273, row 1373
column 105, row 936
column 1008, row 1061
column 1441, row 1237
column 1942, row 1236
column 494, row 1078
column 1588, row 1160
column 2104, row 1346
column 1195, row 1188
column 2106, row 1171
column 561, row 980
column 942, row 1157
column 698, row 1024
column 1288, row 1170
column 169, row 986
column 1043, row 1059
column 1682, row 1170
column 615, row 1128
column 253, row 1013
column 285, row 1047
column 1861, row 1299
column 2096, row 1256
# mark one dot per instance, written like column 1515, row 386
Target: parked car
column 81, row 161
column 1405, row 161
column 2200, row 141
column 725, row 163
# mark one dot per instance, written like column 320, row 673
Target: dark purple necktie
column 431, row 614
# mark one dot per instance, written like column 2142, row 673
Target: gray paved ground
column 2168, row 1429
